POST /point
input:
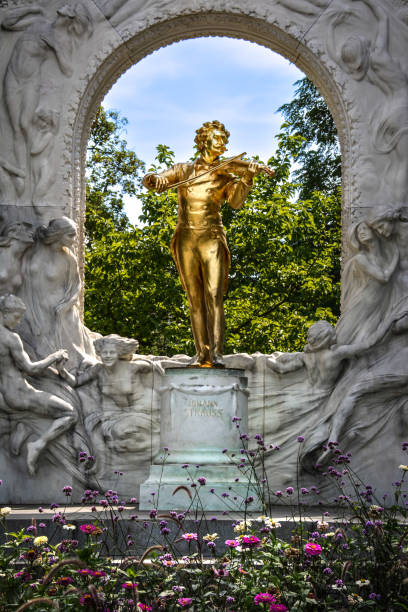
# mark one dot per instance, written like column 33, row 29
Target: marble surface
column 57, row 61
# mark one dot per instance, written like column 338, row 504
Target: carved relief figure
column 367, row 296
column 51, row 290
column 18, row 395
column 45, row 127
column 322, row 357
column 123, row 422
column 14, row 241
column 363, row 58
column 9, row 176
column 299, row 397
column 41, row 38
column 305, row 7
column 112, row 9
column 199, row 245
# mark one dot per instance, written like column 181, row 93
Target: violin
column 235, row 164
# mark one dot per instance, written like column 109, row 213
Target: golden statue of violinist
column 199, row 245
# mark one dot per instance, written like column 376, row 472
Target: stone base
column 202, row 412
column 177, row 488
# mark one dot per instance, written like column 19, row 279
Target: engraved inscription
column 203, row 408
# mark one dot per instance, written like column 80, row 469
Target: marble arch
column 57, row 61
column 211, row 23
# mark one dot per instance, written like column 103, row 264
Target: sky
column 170, row 93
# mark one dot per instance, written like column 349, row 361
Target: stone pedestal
column 197, row 411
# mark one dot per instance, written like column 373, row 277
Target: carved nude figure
column 18, row 395
column 322, row 357
column 112, row 9
column 41, row 38
column 45, row 126
column 366, row 275
column 124, row 416
column 14, row 241
column 305, row 7
column 363, row 58
column 51, row 290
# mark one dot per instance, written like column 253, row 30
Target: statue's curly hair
column 124, row 346
column 208, row 126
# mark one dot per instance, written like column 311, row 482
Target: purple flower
column 230, row 599
column 328, row 571
column 304, row 491
column 31, row 529
column 202, row 480
column 153, row 514
column 374, row 596
column 289, row 490
column 67, row 490
column 300, row 439
column 278, row 493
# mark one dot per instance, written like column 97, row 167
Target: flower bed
column 363, row 563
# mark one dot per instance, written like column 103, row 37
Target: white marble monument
column 57, row 61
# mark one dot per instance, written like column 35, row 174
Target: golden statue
column 199, row 245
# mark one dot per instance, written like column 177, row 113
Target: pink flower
column 64, row 580
column 90, row 529
column 141, row 606
column 231, row 543
column 264, row 598
column 249, row 541
column 129, row 585
column 98, row 574
column 184, row 601
column 276, row 607
column 189, row 536
column 313, row 549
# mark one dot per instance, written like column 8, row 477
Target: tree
column 285, row 254
column 112, row 172
column 319, row 156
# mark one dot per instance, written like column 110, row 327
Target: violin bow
column 195, row 178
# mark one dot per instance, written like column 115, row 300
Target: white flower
column 362, row 582
column 40, row 540
column 322, row 526
column 403, row 467
column 5, row 511
column 69, row 527
column 354, row 599
column 272, row 524
column 210, row 537
column 242, row 526
column 330, row 534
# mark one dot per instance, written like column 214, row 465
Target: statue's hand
column 255, row 168
column 155, row 182
column 61, row 356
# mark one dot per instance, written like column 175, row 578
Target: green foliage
column 285, row 254
column 112, row 170
column 319, row 156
